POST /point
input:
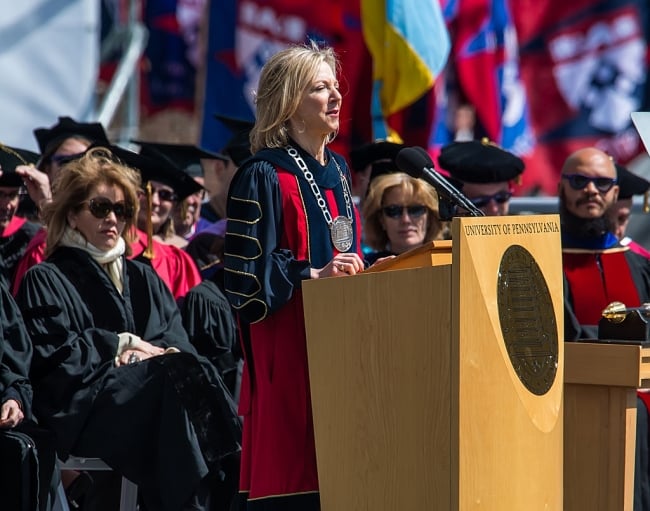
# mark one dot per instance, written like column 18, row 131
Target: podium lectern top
column 434, row 253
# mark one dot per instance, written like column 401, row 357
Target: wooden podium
column 601, row 381
column 437, row 376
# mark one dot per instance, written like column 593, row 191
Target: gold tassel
column 646, row 207
column 148, row 252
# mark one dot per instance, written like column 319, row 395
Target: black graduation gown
column 210, row 323
column 15, row 357
column 15, row 354
column 165, row 422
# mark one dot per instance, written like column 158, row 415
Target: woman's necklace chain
column 341, row 231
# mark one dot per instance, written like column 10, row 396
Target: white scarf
column 110, row 260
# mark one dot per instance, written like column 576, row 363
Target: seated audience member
column 370, row 161
column 188, row 159
column 165, row 186
column 629, row 185
column 16, row 416
column 15, row 231
column 173, row 265
column 114, row 375
column 598, row 270
column 485, row 172
column 58, row 144
column 400, row 212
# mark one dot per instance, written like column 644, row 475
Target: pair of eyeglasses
column 101, row 207
column 62, row 159
column 580, row 182
column 499, row 197
column 395, row 211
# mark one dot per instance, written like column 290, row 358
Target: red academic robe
column 276, row 233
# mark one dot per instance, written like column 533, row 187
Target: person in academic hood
column 485, row 173
column 290, row 218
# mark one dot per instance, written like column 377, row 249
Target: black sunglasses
column 62, row 159
column 100, row 207
column 484, row 200
column 398, row 211
column 166, row 195
column 580, row 182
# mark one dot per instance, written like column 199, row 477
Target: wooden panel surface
column 379, row 368
column 509, row 439
column 626, row 365
column 599, row 444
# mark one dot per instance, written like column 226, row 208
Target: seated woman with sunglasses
column 400, row 213
column 113, row 372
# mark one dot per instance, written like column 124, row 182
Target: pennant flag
column 585, row 65
column 409, row 45
column 485, row 72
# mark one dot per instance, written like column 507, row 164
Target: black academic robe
column 210, row 323
column 166, row 422
column 15, row 357
column 15, row 354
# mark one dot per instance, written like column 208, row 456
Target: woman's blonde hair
column 416, row 191
column 284, row 79
column 77, row 181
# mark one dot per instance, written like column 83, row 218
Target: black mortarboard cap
column 381, row 151
column 480, row 161
column 10, row 158
column 157, row 167
column 630, row 184
column 67, row 127
column 184, row 157
column 238, row 147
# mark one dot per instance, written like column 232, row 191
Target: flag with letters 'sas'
column 409, row 45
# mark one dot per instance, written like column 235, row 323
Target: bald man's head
column 588, row 183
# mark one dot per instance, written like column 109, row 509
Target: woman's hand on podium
column 342, row 264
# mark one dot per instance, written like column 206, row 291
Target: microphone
column 416, row 162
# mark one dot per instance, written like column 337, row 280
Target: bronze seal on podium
column 527, row 319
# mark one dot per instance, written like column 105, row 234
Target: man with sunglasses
column 485, row 172
column 598, row 270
